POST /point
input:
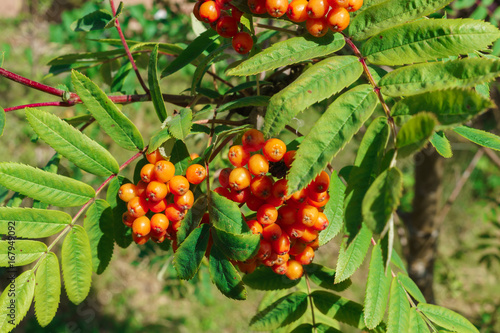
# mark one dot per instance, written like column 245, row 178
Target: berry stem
column 311, row 302
column 376, row 89
column 271, row 27
column 127, row 50
column 220, row 121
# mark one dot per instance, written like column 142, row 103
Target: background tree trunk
column 422, row 224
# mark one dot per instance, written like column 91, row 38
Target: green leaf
column 382, row 199
column 244, row 102
column 76, row 264
column 180, row 125
column 97, row 20
column 188, row 257
column 107, row 114
column 351, row 256
column 289, row 51
column 325, row 277
column 321, row 328
column 317, row 83
column 192, row 218
column 334, row 209
column 339, row 308
column 203, row 66
column 377, row 289
column 20, row 252
column 226, row 215
column 236, row 247
column 32, row 223
column 426, row 40
column 72, row 144
column 450, row 106
column 225, row 276
column 330, row 134
column 365, row 170
column 179, row 156
column 399, row 309
column 121, row 233
column 44, row 186
column 398, row 262
column 159, row 138
column 479, row 137
column 190, row 53
column 420, row 78
column 417, row 323
column 411, row 287
column 98, row 224
column 447, row 318
column 47, row 289
column 284, row 311
column 263, row 278
column 441, row 143
column 415, row 133
column 391, row 13
column 154, row 86
column 2, row 120
column 15, row 305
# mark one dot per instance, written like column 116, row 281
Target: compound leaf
column 244, row 102
column 31, row 222
column 47, row 289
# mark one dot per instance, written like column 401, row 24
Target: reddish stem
column 34, row 105
column 31, row 83
column 127, row 50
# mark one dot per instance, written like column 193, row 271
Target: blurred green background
column 139, row 291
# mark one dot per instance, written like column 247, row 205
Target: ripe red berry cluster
column 157, row 204
column 216, row 13
column 287, row 222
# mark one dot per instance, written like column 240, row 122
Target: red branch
column 30, row 83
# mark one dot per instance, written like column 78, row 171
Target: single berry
column 317, row 27
column 297, row 11
column 209, row 11
column 196, row 173
column 242, row 42
column 338, row 19
column 127, row 192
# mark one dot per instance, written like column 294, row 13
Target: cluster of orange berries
column 288, row 223
column 157, row 204
column 216, row 13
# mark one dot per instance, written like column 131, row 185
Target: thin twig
column 271, row 27
column 32, row 84
column 127, row 50
column 493, row 157
column 220, row 121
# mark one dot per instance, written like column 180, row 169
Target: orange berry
column 265, row 250
column 307, row 215
column 267, row 214
column 137, row 207
column 154, row 157
column 271, row 260
column 271, row 232
column 319, row 204
column 240, row 196
column 274, row 149
column 276, row 8
column 196, row 173
column 157, row 206
column 314, row 244
column 247, row 268
column 317, row 8
column 258, row 165
column 193, row 156
column 300, row 196
column 281, row 245
column 294, row 270
column 261, row 187
column 338, row 19
column 224, row 177
column 141, row 226
column 239, row 179
column 209, row 11
column 280, row 189
column 253, row 140
column 297, row 11
column 238, row 156
column 338, row 3
column 280, row 268
column 127, row 192
column 159, row 238
column 174, row 213
column 257, row 6
column 253, row 203
column 242, row 42
column 322, row 222
column 317, row 196
column 309, row 235
column 282, row 259
column 127, row 219
column 159, row 224
column 156, row 191
column 296, row 230
column 147, row 173
column 289, row 158
column 140, row 240
column 178, row 185
column 317, row 27
column 354, row 5
column 320, row 183
column 184, row 201
column 306, row 257
column 164, row 171
column 297, row 248
column 140, row 188
column 286, row 215
column 255, row 227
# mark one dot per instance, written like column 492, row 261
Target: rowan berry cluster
column 216, row 13
column 157, row 204
column 288, row 223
